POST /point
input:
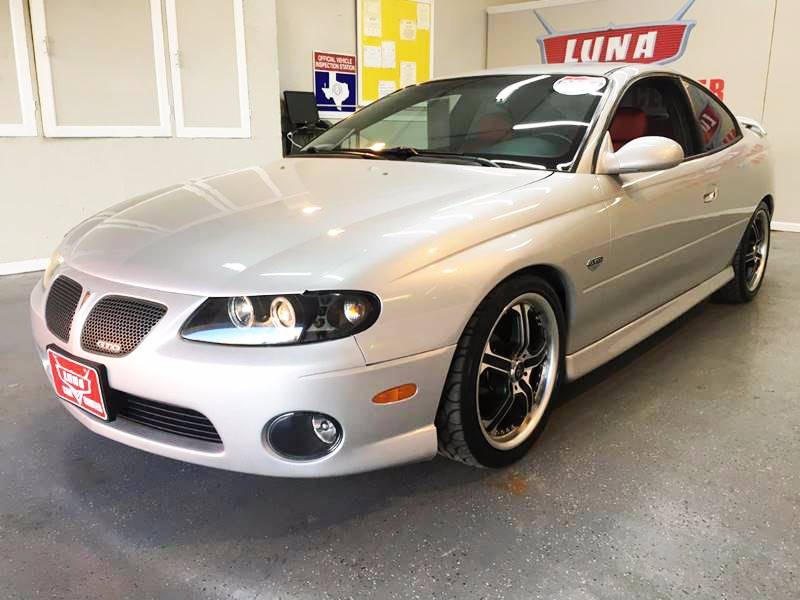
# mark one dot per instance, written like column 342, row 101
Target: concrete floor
column 674, row 471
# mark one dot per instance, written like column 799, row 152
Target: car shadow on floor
column 189, row 504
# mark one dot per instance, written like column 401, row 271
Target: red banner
column 341, row 63
column 659, row 42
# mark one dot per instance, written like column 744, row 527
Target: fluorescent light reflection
column 508, row 91
column 548, row 124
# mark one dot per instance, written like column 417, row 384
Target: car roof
column 596, row 69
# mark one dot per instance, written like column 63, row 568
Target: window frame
column 27, row 103
column 685, row 83
column 685, row 123
column 681, row 81
column 181, row 129
column 47, row 92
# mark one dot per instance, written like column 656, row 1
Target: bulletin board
column 395, row 45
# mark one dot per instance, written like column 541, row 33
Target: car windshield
column 515, row 121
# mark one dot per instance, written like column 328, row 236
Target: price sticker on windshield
column 579, row 85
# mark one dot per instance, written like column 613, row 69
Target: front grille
column 166, row 417
column 117, row 324
column 62, row 301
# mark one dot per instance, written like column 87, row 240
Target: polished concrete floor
column 672, row 472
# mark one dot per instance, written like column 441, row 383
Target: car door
column 658, row 219
column 720, row 155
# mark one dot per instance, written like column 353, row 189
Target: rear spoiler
column 752, row 125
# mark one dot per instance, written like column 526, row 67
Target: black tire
column 739, row 290
column 461, row 436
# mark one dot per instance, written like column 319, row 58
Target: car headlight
column 282, row 320
column 56, row 260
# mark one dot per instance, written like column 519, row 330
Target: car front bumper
column 241, row 389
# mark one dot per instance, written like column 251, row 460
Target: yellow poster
column 395, row 46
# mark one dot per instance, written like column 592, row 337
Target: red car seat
column 628, row 124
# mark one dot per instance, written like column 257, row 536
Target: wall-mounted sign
column 688, row 34
column 655, row 42
column 335, row 84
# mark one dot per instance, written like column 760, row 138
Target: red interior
column 492, row 129
column 628, row 124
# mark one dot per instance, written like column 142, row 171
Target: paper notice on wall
column 372, row 57
column 373, row 26
column 423, row 15
column 385, row 88
column 408, row 73
column 389, row 55
column 408, row 30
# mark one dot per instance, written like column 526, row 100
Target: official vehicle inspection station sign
column 335, row 84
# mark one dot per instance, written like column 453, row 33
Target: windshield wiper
column 357, row 153
column 408, row 153
column 403, row 153
column 456, row 157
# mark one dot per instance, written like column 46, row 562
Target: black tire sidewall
column 741, row 267
column 487, row 314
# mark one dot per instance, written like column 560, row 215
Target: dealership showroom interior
column 399, row 299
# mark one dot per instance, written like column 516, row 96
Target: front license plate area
column 80, row 382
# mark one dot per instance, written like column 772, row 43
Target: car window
column 418, row 126
column 654, row 106
column 519, row 121
column 716, row 127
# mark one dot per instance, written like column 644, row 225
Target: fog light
column 325, row 429
column 303, row 435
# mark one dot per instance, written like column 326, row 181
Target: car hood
column 297, row 224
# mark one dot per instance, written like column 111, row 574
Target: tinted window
column 529, row 121
column 716, row 127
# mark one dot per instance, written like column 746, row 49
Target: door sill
column 582, row 362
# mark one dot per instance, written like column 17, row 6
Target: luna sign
column 658, row 42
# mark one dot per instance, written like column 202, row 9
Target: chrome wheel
column 756, row 248
column 518, row 371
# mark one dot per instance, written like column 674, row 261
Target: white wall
column 49, row 185
column 781, row 113
column 459, row 43
column 308, row 25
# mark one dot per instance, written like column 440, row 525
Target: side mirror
column 651, row 153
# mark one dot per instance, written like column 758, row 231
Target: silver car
column 419, row 279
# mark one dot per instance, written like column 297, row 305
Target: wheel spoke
column 523, row 327
column 528, row 391
column 534, row 359
column 498, row 363
column 759, row 235
column 757, row 249
column 501, row 413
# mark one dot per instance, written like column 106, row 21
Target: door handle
column 709, row 197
